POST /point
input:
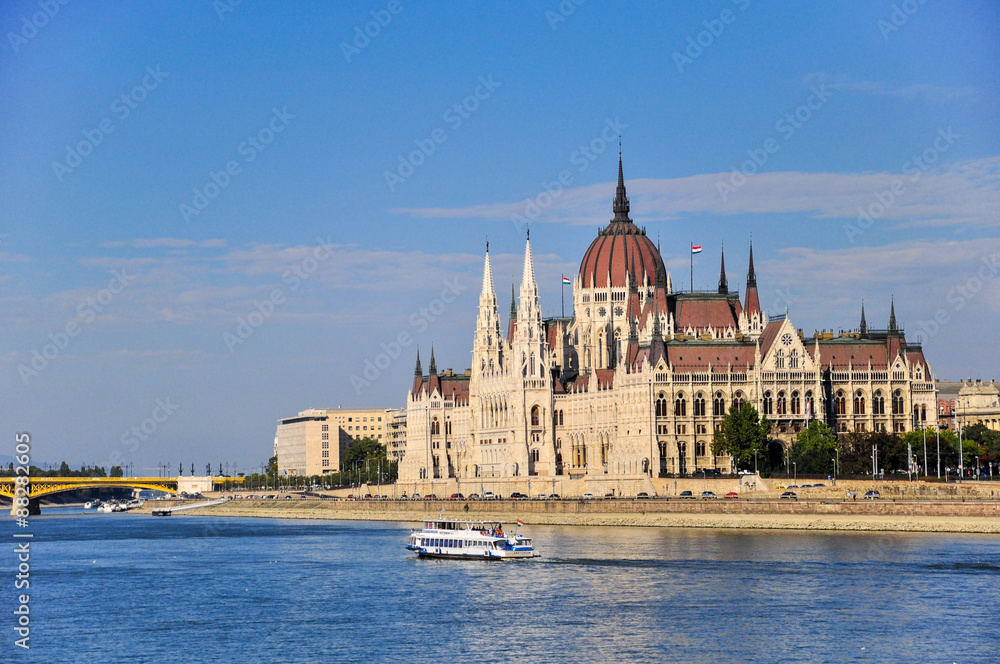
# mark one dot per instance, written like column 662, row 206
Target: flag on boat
column 520, row 523
column 696, row 250
column 566, row 281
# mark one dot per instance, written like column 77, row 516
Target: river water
column 123, row 588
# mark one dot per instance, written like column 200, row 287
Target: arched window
column 768, row 403
column 840, row 403
column 738, row 399
column 680, row 406
column 782, row 404
column 859, row 403
column 661, row 405
column 897, row 402
column 810, row 406
column 718, row 405
column 878, row 403
column 534, row 416
column 793, row 359
column 699, row 405
column 435, row 427
column 779, row 359
column 923, row 413
column 796, row 404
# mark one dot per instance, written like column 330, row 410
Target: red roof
column 710, row 310
column 697, row 357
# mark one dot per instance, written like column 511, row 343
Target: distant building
column 314, row 441
column 635, row 384
column 969, row 402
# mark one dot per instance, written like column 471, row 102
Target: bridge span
column 40, row 487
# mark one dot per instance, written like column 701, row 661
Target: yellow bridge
column 40, row 487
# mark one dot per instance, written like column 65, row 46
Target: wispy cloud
column 964, row 193
column 925, row 91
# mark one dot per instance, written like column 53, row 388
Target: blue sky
column 253, row 165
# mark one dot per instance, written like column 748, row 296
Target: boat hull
column 499, row 555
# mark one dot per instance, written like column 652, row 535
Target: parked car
column 872, row 495
column 404, row 497
column 687, row 494
column 368, row 496
column 489, row 495
column 732, row 495
column 642, row 495
column 789, row 495
column 553, row 496
column 430, row 496
column 708, row 495
column 587, row 496
column 473, row 496
column 541, row 496
column 457, row 496
column 792, row 487
column 609, row 496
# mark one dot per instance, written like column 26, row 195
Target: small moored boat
column 486, row 540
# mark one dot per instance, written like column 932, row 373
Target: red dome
column 620, row 247
column 614, row 252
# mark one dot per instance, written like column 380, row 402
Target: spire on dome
column 863, row 329
column 418, row 371
column 751, row 274
column 723, row 284
column 433, row 367
column 621, row 206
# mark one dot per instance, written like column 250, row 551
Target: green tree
column 116, row 471
column 363, row 460
column 814, row 449
column 742, row 433
column 64, row 470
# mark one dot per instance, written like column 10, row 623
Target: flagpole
column 562, row 294
column 692, row 267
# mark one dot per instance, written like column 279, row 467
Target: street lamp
column 795, row 470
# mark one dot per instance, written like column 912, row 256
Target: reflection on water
column 191, row 589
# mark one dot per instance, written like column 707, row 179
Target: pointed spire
column 513, row 303
column 433, row 367
column 723, row 284
column 528, row 276
column 892, row 316
column 863, row 328
column 657, row 330
column 487, row 273
column 418, row 371
column 621, row 206
column 751, row 274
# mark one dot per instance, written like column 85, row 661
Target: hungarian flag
column 696, row 250
column 520, row 523
column 566, row 281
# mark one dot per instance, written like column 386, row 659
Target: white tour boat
column 486, row 540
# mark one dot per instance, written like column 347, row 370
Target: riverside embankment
column 945, row 516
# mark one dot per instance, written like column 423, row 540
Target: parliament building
column 634, row 384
